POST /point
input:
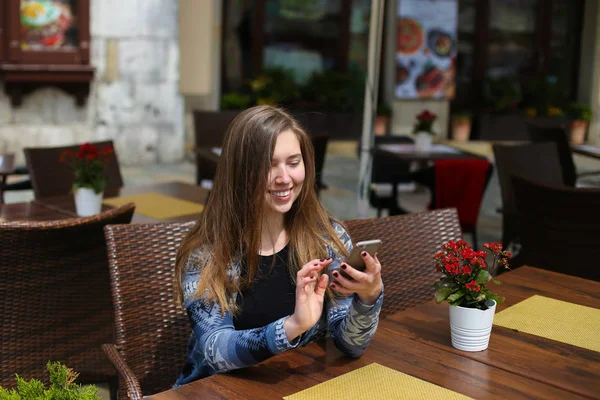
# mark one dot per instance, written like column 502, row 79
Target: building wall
column 134, row 98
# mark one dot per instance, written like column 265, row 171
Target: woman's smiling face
column 286, row 174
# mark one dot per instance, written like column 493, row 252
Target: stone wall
column 134, row 98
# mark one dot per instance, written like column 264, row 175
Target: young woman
column 253, row 274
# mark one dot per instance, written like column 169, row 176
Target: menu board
column 426, row 49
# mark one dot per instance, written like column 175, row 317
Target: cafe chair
column 50, row 177
column 409, row 243
column 55, row 299
column 537, row 161
column 559, row 135
column 152, row 331
column 457, row 183
column 386, row 167
column 559, row 227
column 319, row 143
column 22, row 184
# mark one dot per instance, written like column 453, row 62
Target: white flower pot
column 470, row 328
column 87, row 202
column 423, row 142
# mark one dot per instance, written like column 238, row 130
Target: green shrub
column 62, row 387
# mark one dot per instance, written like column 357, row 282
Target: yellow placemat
column 375, row 381
column 483, row 149
column 554, row 319
column 156, row 205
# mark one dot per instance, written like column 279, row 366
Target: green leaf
column 482, row 277
column 493, row 296
column 442, row 293
column 497, row 282
column 455, row 296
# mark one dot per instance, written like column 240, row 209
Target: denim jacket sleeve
column 350, row 323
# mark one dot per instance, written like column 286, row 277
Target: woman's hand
column 310, row 295
column 367, row 285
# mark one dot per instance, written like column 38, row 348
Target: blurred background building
column 156, row 61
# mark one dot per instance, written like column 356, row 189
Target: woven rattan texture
column 55, row 301
column 559, row 227
column 151, row 329
column 409, row 244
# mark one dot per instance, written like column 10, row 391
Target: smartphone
column 355, row 260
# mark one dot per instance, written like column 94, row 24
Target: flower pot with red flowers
column 423, row 131
column 463, row 286
column 89, row 183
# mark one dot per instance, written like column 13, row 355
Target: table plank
column 304, row 367
column 29, row 212
column 180, row 190
column 554, row 363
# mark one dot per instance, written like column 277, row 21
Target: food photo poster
column 426, row 49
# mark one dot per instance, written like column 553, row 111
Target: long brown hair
column 229, row 228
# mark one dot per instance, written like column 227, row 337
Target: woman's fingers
column 341, row 280
column 313, row 266
column 322, row 285
column 371, row 262
column 340, row 289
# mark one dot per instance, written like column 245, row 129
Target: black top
column 271, row 296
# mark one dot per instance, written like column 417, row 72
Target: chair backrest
column 558, row 135
column 210, row 127
column 50, row 177
column 461, row 183
column 559, row 227
column 319, row 143
column 151, row 329
column 386, row 167
column 410, row 242
column 538, row 161
column 55, row 299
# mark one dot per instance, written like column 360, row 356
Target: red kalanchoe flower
column 473, row 286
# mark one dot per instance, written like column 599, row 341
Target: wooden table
column 587, row 150
column 417, row 342
column 61, row 207
column 440, row 151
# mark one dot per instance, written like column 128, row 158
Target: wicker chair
column 409, row 244
column 55, row 300
column 539, row 161
column 151, row 329
column 559, row 227
column 49, row 177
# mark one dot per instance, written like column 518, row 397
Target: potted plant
column 580, row 115
column 62, row 386
column 463, row 286
column 461, row 126
column 382, row 119
column 423, row 131
column 89, row 183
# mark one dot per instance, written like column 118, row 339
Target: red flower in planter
column 88, row 163
column 465, row 274
column 425, row 122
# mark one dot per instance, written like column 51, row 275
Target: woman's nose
column 282, row 176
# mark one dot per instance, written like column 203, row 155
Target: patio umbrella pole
column 371, row 86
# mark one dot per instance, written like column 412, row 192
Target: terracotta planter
column 381, row 125
column 577, row 131
column 461, row 129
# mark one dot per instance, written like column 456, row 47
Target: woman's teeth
column 281, row 194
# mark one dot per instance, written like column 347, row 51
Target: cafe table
column 62, row 207
column 417, row 342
